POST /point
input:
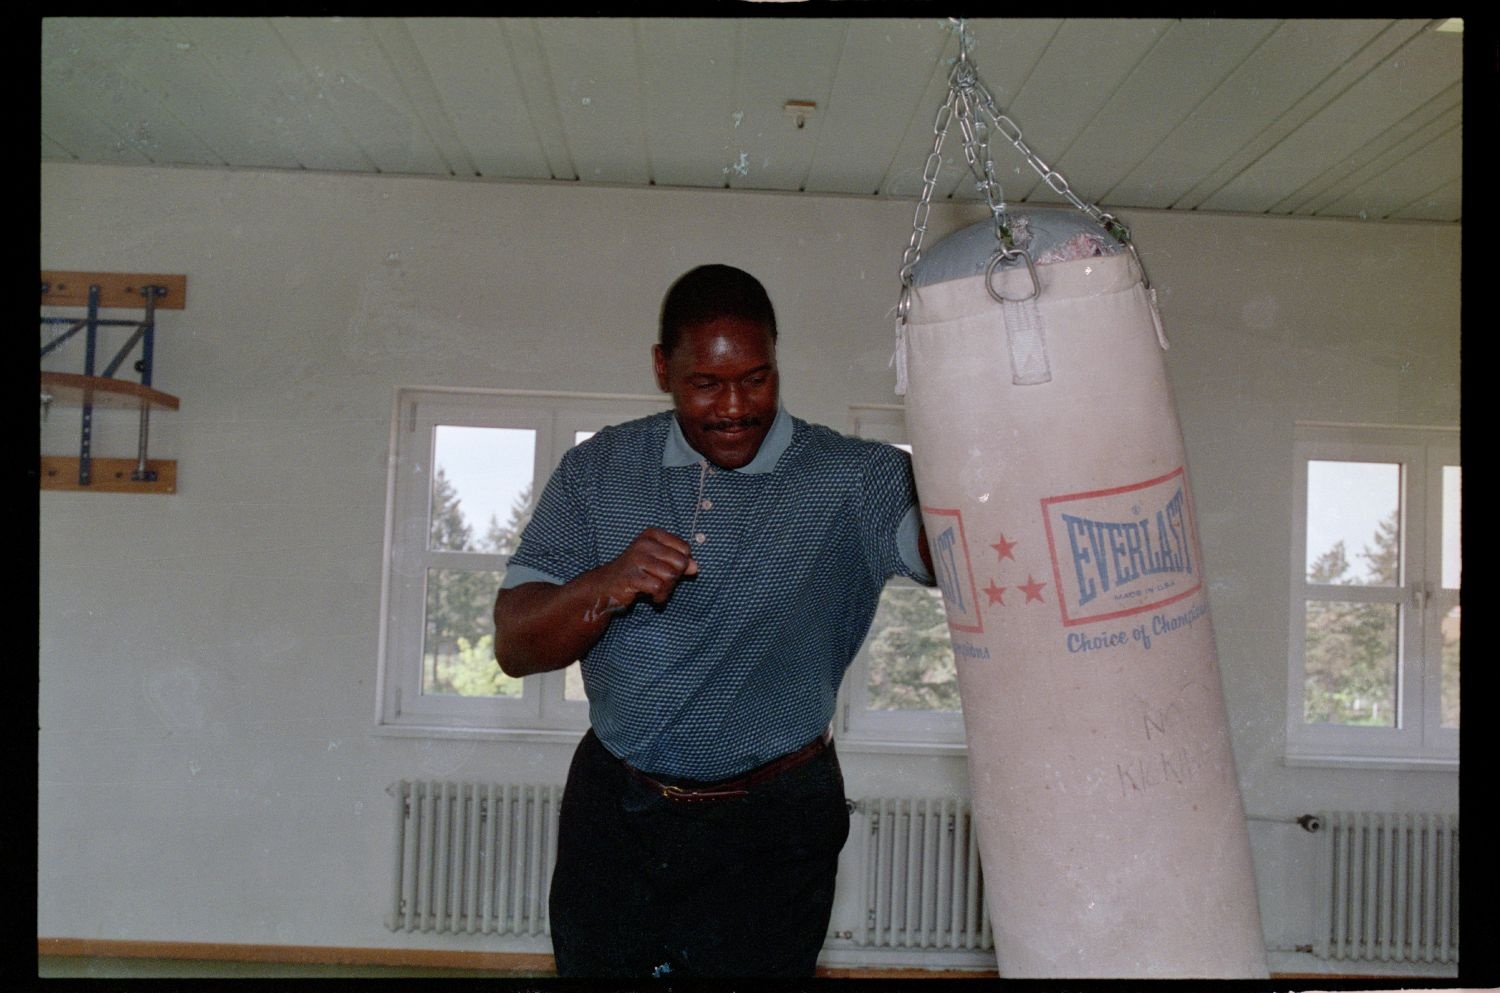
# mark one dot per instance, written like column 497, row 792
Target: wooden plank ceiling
column 1343, row 118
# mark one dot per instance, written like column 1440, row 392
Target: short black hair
column 711, row 291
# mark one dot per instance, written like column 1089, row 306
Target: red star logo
column 996, row 593
column 1033, row 590
column 1005, row 548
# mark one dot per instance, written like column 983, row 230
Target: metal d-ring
column 1004, row 254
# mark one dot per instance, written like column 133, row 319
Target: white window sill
column 851, row 743
column 1313, row 760
column 847, row 743
column 557, row 736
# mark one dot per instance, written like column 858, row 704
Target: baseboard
column 520, row 963
column 1287, row 964
column 531, row 965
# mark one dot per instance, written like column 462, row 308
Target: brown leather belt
column 741, row 785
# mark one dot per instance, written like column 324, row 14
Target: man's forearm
column 540, row 627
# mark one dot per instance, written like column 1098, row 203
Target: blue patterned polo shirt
column 743, row 663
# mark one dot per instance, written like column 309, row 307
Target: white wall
column 208, row 767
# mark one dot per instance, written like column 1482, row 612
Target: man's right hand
column 651, row 566
column 541, row 627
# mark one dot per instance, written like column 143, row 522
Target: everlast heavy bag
column 1055, row 494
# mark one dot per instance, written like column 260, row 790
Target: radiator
column 1387, row 887
column 921, row 883
column 477, row 858
column 473, row 857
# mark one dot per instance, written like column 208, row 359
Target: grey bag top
column 1047, row 234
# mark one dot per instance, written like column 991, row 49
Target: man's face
column 722, row 377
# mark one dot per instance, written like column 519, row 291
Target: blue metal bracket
column 144, row 334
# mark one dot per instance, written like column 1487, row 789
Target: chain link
column 967, row 94
column 1012, row 132
column 976, row 136
column 913, row 251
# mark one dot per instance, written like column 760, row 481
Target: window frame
column 542, row 709
column 860, row 726
column 1418, row 739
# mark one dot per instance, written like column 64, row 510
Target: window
column 1375, row 596
column 903, row 686
column 466, row 468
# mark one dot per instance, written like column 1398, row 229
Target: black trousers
column 649, row 886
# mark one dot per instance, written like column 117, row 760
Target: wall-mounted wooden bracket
column 60, row 472
column 71, row 389
column 96, row 291
column 116, row 289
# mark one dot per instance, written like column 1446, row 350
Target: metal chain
column 913, row 251
column 1054, row 179
column 964, row 84
column 977, row 152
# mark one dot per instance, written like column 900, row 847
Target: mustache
column 740, row 423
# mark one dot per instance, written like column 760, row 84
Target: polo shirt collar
column 677, row 452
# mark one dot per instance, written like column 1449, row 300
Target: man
column 715, row 569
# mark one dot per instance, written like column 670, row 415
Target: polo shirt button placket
column 701, row 503
column 704, row 503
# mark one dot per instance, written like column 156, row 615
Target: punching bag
column 1054, row 489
